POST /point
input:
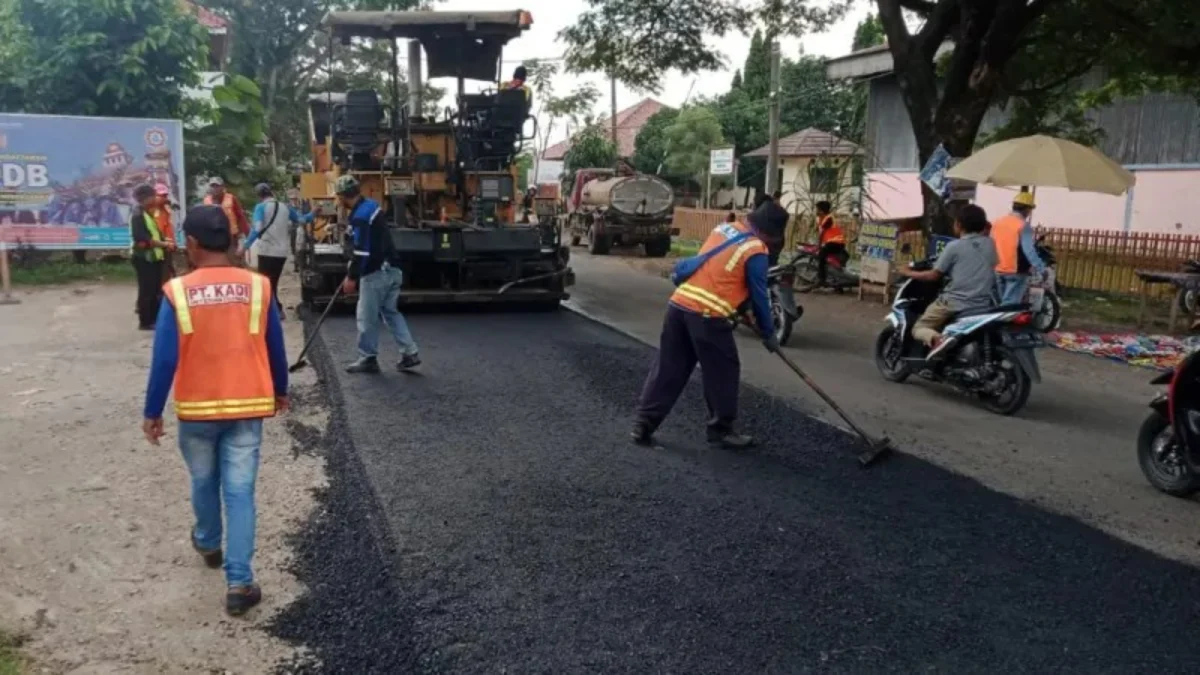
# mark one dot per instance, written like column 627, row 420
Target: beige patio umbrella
column 1044, row 161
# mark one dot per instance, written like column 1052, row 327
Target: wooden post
column 6, row 297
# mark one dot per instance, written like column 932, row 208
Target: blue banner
column 67, row 182
column 938, row 244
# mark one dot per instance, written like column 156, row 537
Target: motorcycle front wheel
column 1017, row 387
column 888, row 355
column 782, row 320
column 1158, row 457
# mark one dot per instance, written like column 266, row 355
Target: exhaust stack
column 416, row 86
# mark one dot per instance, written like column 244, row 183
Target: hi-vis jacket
column 720, row 287
column 223, row 372
column 830, row 232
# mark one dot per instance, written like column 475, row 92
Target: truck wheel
column 658, row 248
column 597, row 244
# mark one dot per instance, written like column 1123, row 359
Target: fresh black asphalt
column 490, row 515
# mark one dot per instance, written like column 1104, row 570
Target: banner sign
column 939, row 244
column 720, row 162
column 67, row 182
column 878, row 240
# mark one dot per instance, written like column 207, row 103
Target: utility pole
column 613, row 83
column 772, row 182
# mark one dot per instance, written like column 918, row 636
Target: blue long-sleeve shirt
column 1029, row 248
column 165, row 358
column 760, row 299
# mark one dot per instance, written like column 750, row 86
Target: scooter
column 807, row 267
column 987, row 353
column 1168, row 442
column 1043, row 291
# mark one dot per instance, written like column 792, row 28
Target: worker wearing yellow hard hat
column 1016, row 249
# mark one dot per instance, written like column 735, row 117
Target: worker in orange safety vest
column 239, row 225
column 162, row 215
column 1016, row 250
column 830, row 237
column 713, row 289
column 219, row 342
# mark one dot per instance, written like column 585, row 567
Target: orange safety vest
column 1006, row 234
column 224, row 372
column 230, row 212
column 718, row 288
column 830, row 232
column 162, row 216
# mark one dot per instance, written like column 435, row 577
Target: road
column 490, row 515
column 1072, row 449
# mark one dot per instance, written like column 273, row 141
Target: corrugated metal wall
column 1156, row 129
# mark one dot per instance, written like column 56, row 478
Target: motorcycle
column 1043, row 291
column 1187, row 296
column 807, row 266
column 987, row 353
column 784, row 310
column 1169, row 438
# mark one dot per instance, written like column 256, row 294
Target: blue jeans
column 1012, row 287
column 222, row 458
column 378, row 296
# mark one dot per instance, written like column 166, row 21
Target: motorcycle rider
column 970, row 262
column 830, row 237
column 1016, row 249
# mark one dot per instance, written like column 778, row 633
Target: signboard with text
column 67, row 182
column 720, row 162
column 939, row 244
column 878, row 240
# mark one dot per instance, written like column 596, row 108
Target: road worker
column 729, row 272
column 1016, row 250
column 149, row 254
column 518, row 82
column 830, row 237
column 162, row 215
column 375, row 274
column 239, row 226
column 219, row 341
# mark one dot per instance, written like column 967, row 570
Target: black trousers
column 688, row 339
column 272, row 268
column 149, row 284
column 822, row 255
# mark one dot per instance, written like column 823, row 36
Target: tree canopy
column 650, row 146
column 590, row 148
column 689, row 139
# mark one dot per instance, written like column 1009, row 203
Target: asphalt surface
column 490, row 515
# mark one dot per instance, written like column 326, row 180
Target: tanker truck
column 606, row 209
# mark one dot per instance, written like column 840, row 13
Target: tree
column 551, row 108
column 689, row 140
column 639, row 41
column 868, row 33
column 650, row 146
column 81, row 57
column 228, row 142
column 590, row 148
column 756, row 79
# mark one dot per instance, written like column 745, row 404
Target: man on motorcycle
column 1016, row 249
column 970, row 263
column 830, row 237
column 771, row 222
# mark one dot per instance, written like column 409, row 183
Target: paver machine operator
column 446, row 181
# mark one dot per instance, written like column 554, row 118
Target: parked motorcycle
column 807, row 266
column 1187, row 297
column 1043, row 291
column 784, row 310
column 987, row 353
column 1169, row 439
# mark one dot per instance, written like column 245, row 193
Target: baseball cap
column 216, row 180
column 162, row 189
column 209, row 226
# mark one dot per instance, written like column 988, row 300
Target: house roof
column 207, row 18
column 629, row 122
column 869, row 62
column 810, row 143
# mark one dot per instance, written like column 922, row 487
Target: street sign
column 720, row 162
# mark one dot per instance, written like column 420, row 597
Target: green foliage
column 84, row 57
column 590, row 148
column 650, row 146
column 524, row 164
column 694, row 133
column 868, row 33
column 228, row 141
column 756, row 73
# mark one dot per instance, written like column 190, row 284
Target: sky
column 551, row 16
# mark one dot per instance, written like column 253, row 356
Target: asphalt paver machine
column 447, row 181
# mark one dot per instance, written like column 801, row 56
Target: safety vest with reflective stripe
column 719, row 287
column 154, row 253
column 517, row 84
column 230, row 213
column 224, row 372
column 830, row 232
column 1006, row 234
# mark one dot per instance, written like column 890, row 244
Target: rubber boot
column 366, row 364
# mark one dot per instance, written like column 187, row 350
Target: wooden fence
column 1093, row 260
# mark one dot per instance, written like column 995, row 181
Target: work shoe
column 240, row 599
column 642, row 434
column 213, row 558
column 409, row 362
column 729, row 440
column 366, row 364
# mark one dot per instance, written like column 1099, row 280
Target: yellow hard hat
column 1024, row 199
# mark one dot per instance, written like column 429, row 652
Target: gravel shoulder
column 98, row 572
